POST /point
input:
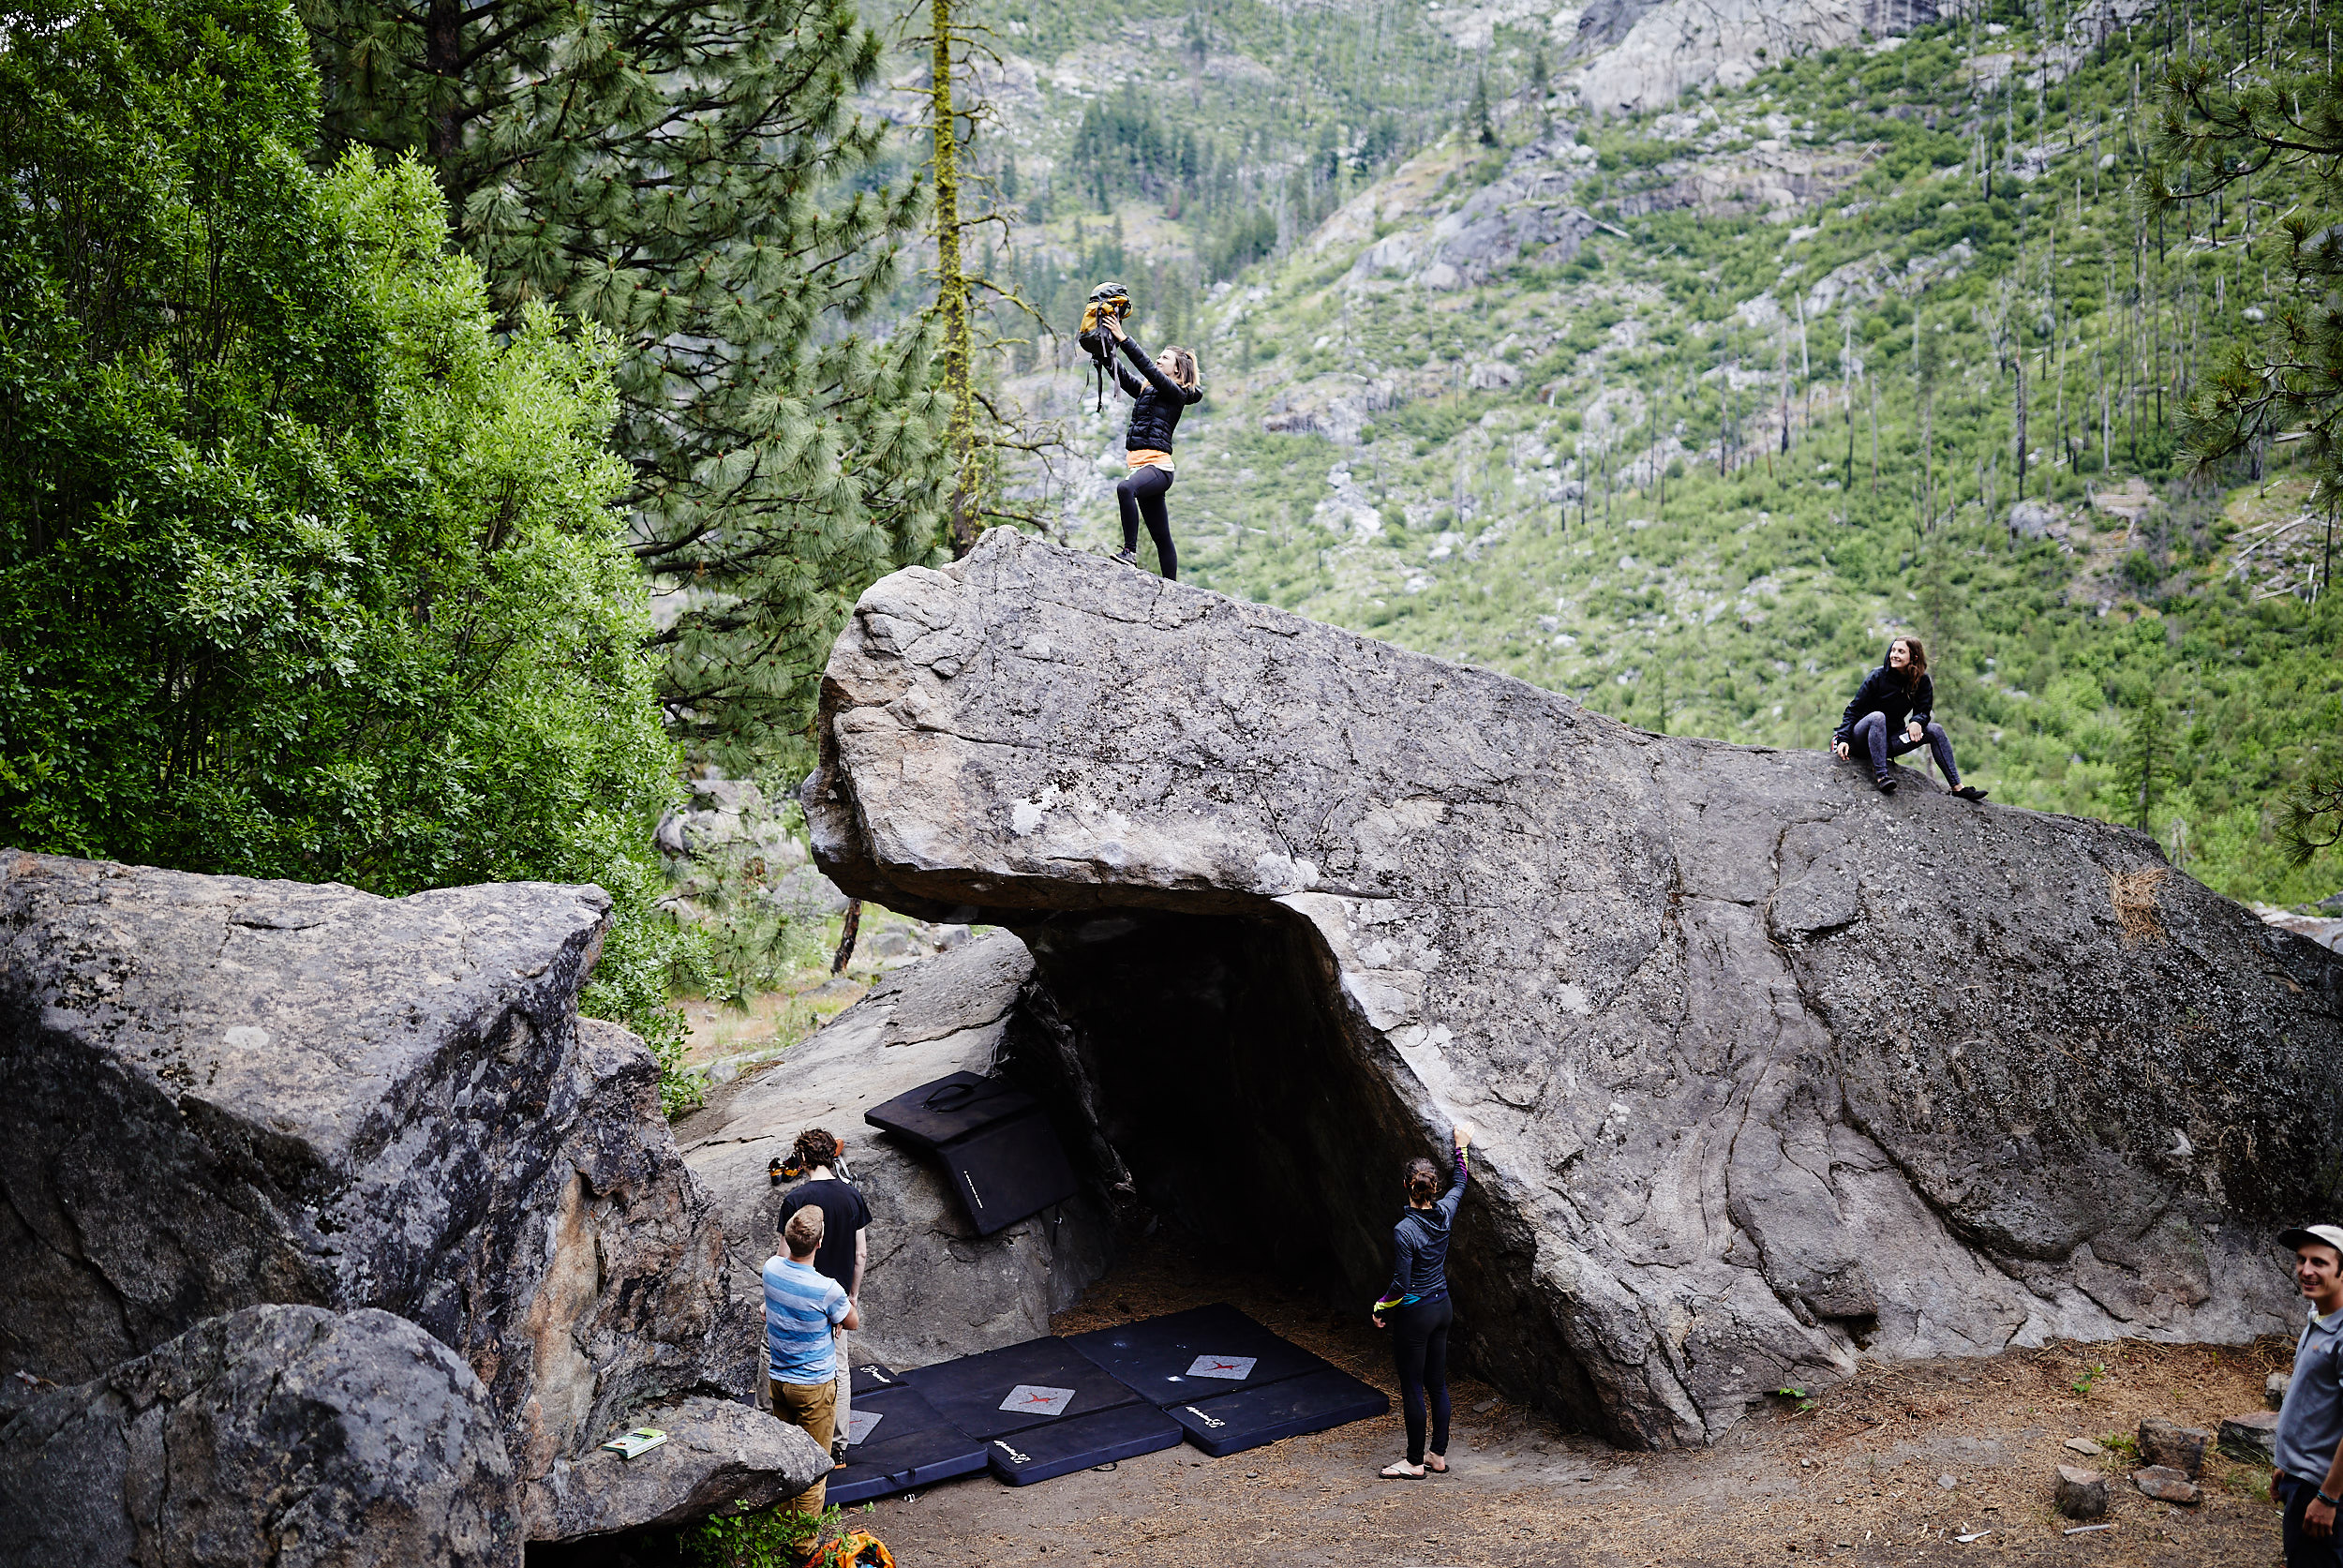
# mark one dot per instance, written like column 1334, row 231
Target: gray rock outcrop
column 276, row 1434
column 217, row 1093
column 1769, row 1069
column 932, row 1288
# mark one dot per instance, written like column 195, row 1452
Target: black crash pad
column 1198, row 1354
column 908, row 1445
column 971, row 1391
column 998, row 1149
column 1008, row 1170
column 1079, row 1441
column 952, row 1107
column 872, row 1376
column 1310, row 1403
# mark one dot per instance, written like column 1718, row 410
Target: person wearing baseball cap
column 2309, row 1482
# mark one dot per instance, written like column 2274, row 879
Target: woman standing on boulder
column 1160, row 392
column 1418, row 1307
column 1892, row 715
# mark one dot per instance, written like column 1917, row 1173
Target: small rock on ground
column 2167, row 1484
column 2251, row 1438
column 2169, row 1444
column 2085, row 1447
column 2082, row 1493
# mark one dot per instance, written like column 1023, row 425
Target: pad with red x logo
column 1236, row 1369
column 1032, row 1400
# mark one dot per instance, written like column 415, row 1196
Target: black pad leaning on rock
column 1004, row 1158
column 872, row 1376
column 1039, row 1381
column 907, row 1444
column 1200, row 1353
column 954, row 1106
column 1008, row 1170
column 1310, row 1403
column 1061, row 1447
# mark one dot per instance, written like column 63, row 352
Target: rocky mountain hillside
column 1752, row 341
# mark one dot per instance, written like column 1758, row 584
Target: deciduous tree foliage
column 690, row 176
column 304, row 572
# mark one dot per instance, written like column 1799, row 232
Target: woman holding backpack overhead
column 1418, row 1310
column 1160, row 392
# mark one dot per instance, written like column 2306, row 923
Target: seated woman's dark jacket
column 1884, row 692
column 1158, row 400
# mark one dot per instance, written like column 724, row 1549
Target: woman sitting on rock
column 1169, row 386
column 1891, row 715
column 1417, row 1306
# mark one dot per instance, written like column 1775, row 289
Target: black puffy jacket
column 1157, row 401
column 1884, row 692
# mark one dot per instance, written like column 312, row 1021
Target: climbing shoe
column 1970, row 792
column 1886, row 782
column 1126, row 557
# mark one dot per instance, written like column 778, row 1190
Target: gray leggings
column 1870, row 732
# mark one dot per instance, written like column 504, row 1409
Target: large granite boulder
column 217, row 1092
column 276, row 1434
column 1769, row 1069
column 932, row 1289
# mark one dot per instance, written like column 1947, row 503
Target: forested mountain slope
column 1686, row 410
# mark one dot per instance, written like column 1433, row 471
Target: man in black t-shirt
column 845, row 1237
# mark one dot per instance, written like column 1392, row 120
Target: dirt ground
column 1856, row 1477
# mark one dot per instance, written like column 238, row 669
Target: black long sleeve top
column 1157, row 401
column 1884, row 692
column 1420, row 1243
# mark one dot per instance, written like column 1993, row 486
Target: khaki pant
column 844, row 1420
column 813, row 1407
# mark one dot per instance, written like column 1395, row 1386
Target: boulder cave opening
column 1208, row 1063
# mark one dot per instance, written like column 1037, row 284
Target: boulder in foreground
column 217, row 1093
column 276, row 1434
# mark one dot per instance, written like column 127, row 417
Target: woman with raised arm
column 1160, row 392
column 1894, row 714
column 1418, row 1310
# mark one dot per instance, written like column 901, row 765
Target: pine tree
column 2228, row 129
column 684, row 175
column 1477, row 114
column 2139, row 769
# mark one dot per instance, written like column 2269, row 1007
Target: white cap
column 2327, row 1236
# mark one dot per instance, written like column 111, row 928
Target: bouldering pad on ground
column 872, row 1376
column 1312, row 1402
column 907, row 1444
column 1078, row 1442
column 1200, row 1353
column 1039, row 1381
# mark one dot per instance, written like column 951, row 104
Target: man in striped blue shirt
column 801, row 1306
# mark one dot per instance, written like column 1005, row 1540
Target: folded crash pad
column 1002, row 1158
column 1309, row 1403
column 1018, row 1386
column 897, row 1441
column 1079, row 1441
column 1200, row 1353
column 952, row 1107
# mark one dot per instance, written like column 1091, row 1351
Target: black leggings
column 1419, row 1342
column 1141, row 498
